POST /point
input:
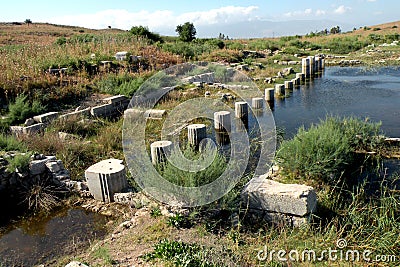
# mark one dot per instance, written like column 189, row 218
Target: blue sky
column 163, row 16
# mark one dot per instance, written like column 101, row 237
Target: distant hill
column 20, row 33
column 385, row 28
column 45, row 33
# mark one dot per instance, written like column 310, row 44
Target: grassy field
column 223, row 233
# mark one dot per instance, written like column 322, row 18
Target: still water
column 344, row 91
column 41, row 238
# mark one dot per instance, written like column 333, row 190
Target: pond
column 40, row 238
column 372, row 93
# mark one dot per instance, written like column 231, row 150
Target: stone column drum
column 196, row 133
column 106, row 178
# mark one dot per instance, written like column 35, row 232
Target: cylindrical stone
column 196, row 133
column 279, row 89
column 300, row 76
column 289, row 85
column 222, row 121
column 241, row 110
column 222, row 138
column 158, row 151
column 322, row 63
column 312, row 63
column 257, row 102
column 306, row 67
column 269, row 94
column 317, row 66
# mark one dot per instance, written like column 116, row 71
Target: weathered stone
column 103, row 110
column 124, row 198
column 39, row 166
column 17, row 130
column 76, row 114
column 53, row 166
column 29, row 122
column 106, row 178
column 45, row 118
column 155, row 113
column 117, row 99
column 67, row 136
column 287, row 71
column 76, row 264
column 271, row 196
column 34, row 129
column 121, row 55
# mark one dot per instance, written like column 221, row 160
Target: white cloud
column 308, row 11
column 299, row 13
column 371, row 0
column 341, row 9
column 159, row 21
column 304, row 13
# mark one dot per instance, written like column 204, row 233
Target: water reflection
column 40, row 238
column 344, row 91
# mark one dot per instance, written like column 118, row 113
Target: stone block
column 76, row 114
column 155, row 113
column 106, row 178
column 34, row 129
column 103, row 110
column 45, row 118
column 39, row 166
column 29, row 122
column 115, row 99
column 271, row 196
column 17, row 130
column 53, row 166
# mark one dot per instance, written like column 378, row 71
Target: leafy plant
column 178, row 221
column 179, row 253
column 155, row 212
column 183, row 176
column 325, row 151
column 19, row 162
column 22, row 109
column 104, row 254
column 10, row 143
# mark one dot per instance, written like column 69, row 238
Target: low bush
column 124, row 84
column 182, row 175
column 20, row 162
column 10, row 143
column 179, row 253
column 325, row 151
column 22, row 109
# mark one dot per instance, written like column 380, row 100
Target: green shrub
column 116, row 84
column 182, row 176
column 179, row 221
column 345, row 45
column 61, row 41
column 10, row 143
column 144, row 32
column 179, row 253
column 20, row 162
column 325, row 151
column 22, row 109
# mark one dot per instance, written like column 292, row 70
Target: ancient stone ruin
column 106, row 178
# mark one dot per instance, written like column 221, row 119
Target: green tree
column 335, row 30
column 28, row 21
column 144, row 32
column 187, row 32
